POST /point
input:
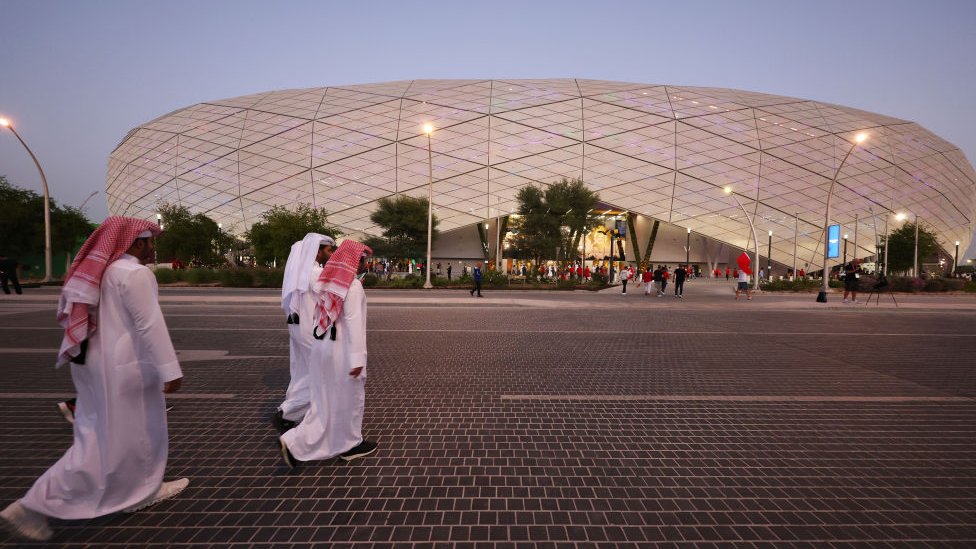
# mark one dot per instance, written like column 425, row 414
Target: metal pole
column 915, row 261
column 822, row 296
column 885, row 271
column 845, row 249
column 755, row 241
column 430, row 206
column 855, row 239
column 688, row 250
column 47, row 205
column 769, row 257
column 955, row 259
column 796, row 230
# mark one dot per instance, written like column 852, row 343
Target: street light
column 955, row 259
column 47, row 202
column 429, row 129
column 915, row 261
column 822, row 296
column 687, row 249
column 769, row 257
column 755, row 239
column 845, row 248
column 898, row 217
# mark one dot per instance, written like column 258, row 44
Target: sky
column 75, row 77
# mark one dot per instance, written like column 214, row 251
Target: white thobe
column 300, row 341
column 334, row 422
column 120, row 435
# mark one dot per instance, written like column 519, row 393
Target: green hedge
column 230, row 278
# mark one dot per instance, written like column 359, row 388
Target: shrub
column 200, row 276
column 167, row 276
column 906, row 284
column 269, row 278
column 943, row 285
column 370, row 280
column 969, row 287
column 565, row 284
column 494, row 278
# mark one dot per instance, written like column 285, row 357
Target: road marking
column 179, row 396
column 740, row 398
column 189, row 355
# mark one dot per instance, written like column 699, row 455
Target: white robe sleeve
column 354, row 317
column 140, row 296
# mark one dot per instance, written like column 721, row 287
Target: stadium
column 704, row 162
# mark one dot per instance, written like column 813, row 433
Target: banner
column 833, row 241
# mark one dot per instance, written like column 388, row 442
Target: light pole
column 47, row 202
column 769, row 257
column 755, row 239
column 915, row 260
column 845, row 249
column 796, row 230
column 955, row 259
column 688, row 249
column 429, row 129
column 822, row 296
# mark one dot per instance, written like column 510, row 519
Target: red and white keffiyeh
column 78, row 304
column 338, row 274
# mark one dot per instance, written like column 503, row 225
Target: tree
column 404, row 223
column 556, row 217
column 194, row 239
column 280, row 227
column 22, row 223
column 901, row 251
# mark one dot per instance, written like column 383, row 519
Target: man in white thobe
column 302, row 269
column 337, row 366
column 122, row 363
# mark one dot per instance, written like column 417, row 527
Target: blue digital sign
column 833, row 241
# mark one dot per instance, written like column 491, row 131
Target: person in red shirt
column 586, row 274
column 727, row 273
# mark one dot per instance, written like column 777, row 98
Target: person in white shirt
column 122, row 361
column 303, row 267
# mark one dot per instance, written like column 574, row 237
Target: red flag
column 744, row 262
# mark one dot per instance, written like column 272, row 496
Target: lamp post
column 845, row 249
column 687, row 249
column 429, row 129
column 822, row 296
column 955, row 259
column 47, row 202
column 755, row 239
column 915, row 260
column 796, row 230
column 769, row 257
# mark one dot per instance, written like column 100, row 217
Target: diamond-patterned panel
column 235, row 158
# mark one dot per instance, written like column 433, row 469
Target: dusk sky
column 75, row 77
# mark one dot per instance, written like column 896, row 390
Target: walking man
column 477, row 280
column 333, row 425
column 303, row 267
column 122, row 361
column 8, row 272
column 679, row 281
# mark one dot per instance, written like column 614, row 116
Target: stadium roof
column 661, row 151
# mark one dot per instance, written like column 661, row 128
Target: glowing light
column 860, row 137
column 428, row 128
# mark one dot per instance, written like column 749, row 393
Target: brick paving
column 550, row 420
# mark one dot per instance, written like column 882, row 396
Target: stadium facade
column 660, row 152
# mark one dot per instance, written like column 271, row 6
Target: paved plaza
column 549, row 420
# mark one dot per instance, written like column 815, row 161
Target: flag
column 744, row 262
